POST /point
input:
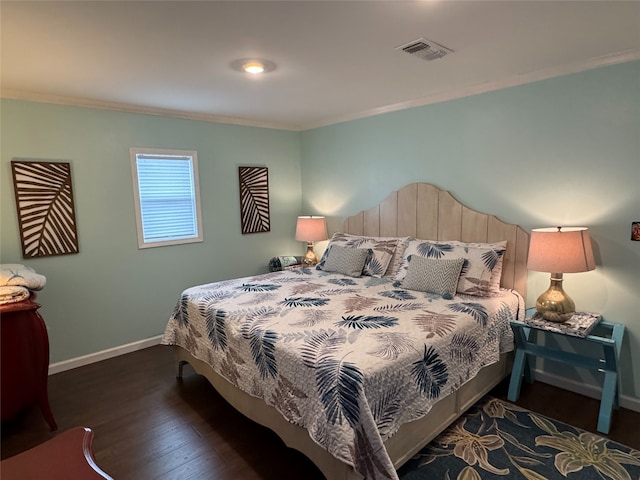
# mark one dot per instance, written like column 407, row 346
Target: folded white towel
column 16, row 274
column 13, row 294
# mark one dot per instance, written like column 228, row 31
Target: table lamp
column 559, row 250
column 310, row 229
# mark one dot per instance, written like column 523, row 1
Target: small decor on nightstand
column 579, row 325
column 557, row 251
column 276, row 264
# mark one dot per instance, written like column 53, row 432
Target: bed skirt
column 409, row 439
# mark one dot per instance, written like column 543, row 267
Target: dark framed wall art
column 46, row 212
column 254, row 199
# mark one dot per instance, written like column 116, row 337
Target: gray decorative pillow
column 345, row 260
column 433, row 275
column 381, row 251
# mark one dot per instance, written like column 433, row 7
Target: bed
column 360, row 372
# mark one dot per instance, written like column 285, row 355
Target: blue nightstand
column 579, row 326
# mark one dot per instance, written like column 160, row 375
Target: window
column 167, row 196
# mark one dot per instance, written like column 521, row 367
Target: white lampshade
column 560, row 250
column 311, row 229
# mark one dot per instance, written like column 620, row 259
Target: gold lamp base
column 554, row 304
column 310, row 258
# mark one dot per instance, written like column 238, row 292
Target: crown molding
column 467, row 91
column 514, row 81
column 15, row 94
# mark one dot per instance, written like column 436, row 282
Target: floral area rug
column 499, row 440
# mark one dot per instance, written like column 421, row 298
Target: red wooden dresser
column 25, row 360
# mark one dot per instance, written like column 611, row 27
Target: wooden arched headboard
column 424, row 211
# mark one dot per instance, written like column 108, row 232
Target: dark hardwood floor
column 150, row 425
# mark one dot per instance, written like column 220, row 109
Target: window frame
column 161, row 152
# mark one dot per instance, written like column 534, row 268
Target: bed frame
column 423, row 211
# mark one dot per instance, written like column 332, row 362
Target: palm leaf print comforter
column 349, row 359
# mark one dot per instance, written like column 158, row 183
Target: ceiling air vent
column 425, row 49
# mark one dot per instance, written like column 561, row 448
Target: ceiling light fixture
column 253, row 66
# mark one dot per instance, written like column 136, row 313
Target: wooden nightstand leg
column 609, row 395
column 515, row 383
column 617, row 335
column 609, row 399
column 521, row 364
column 530, row 337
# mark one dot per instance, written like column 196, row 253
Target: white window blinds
column 167, row 197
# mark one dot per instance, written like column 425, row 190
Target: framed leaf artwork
column 254, row 199
column 46, row 213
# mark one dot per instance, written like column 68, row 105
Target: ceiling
column 335, row 60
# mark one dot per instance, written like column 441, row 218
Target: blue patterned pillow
column 433, row 275
column 481, row 270
column 347, row 261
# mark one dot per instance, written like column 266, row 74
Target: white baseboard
column 588, row 390
column 103, row 355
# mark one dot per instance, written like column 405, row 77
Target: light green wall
column 564, row 151
column 111, row 293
